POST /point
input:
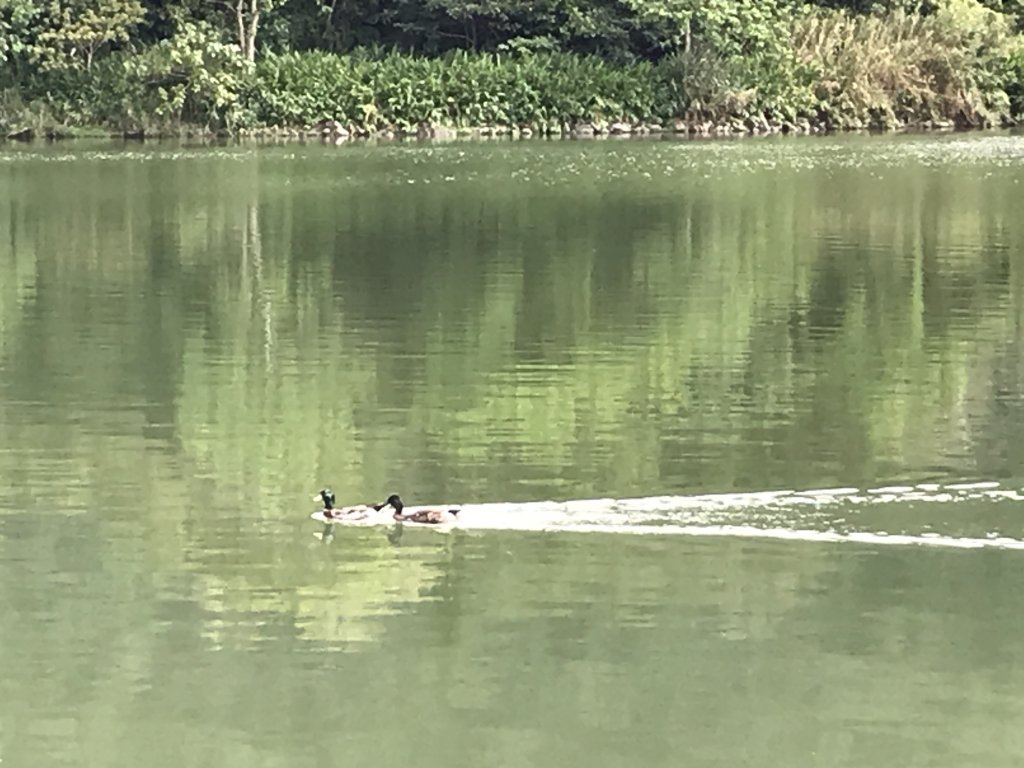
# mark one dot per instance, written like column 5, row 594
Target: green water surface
column 193, row 340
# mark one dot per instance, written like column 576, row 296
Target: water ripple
column 831, row 515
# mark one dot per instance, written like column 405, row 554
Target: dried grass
column 903, row 66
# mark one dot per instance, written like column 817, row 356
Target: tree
column 247, row 18
column 75, row 30
column 242, row 19
column 192, row 77
column 17, row 19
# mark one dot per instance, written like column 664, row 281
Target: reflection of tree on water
column 501, row 361
column 259, row 297
column 336, row 599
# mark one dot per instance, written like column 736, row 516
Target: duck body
column 422, row 515
column 333, row 515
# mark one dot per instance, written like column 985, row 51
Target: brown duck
column 432, row 516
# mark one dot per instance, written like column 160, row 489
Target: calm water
column 739, row 428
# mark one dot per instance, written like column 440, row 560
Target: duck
column 428, row 515
column 334, row 514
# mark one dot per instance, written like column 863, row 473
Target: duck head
column 327, row 497
column 392, row 501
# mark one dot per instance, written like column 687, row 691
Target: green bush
column 373, row 89
column 1014, row 83
column 50, row 101
column 189, row 80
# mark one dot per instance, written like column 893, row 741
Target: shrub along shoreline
column 959, row 66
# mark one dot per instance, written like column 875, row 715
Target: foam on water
column 809, row 515
column 787, row 534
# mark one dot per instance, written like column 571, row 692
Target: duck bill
column 318, row 497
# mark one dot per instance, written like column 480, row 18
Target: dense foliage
column 949, row 64
column 136, row 65
column 458, row 89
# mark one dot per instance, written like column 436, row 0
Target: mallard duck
column 332, row 513
column 433, row 516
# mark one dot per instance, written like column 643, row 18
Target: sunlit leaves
column 75, row 30
column 193, row 76
column 18, row 20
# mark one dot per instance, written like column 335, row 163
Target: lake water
column 739, row 428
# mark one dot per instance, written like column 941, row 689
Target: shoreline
column 333, row 132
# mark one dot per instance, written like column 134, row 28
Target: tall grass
column 904, row 67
